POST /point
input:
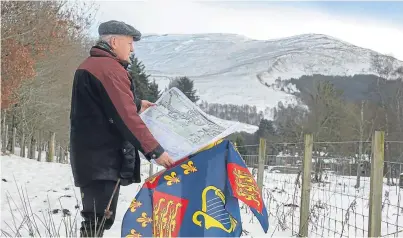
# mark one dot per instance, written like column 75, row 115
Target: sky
column 374, row 25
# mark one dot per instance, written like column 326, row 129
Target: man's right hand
column 165, row 160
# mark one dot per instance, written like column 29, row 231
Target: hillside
column 232, row 69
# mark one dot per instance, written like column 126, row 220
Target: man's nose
column 132, row 47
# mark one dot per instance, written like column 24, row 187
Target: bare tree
column 325, row 117
column 55, row 32
column 384, row 66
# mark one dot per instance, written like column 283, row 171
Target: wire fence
column 339, row 188
column 281, row 189
column 392, row 204
column 340, row 191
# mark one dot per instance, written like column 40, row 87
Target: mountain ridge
column 234, row 69
column 246, row 38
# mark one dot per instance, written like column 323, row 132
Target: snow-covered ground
column 337, row 208
column 49, row 187
column 232, row 69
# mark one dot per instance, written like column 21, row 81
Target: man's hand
column 146, row 104
column 165, row 160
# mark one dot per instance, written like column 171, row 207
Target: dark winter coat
column 105, row 125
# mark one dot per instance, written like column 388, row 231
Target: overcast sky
column 374, row 25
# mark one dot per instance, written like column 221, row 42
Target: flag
column 244, row 187
column 197, row 197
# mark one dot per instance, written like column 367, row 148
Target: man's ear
column 113, row 43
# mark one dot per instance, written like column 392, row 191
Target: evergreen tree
column 240, row 145
column 154, row 92
column 266, row 129
column 143, row 88
column 186, row 86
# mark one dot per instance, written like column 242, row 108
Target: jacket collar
column 100, row 51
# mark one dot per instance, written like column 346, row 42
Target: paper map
column 181, row 127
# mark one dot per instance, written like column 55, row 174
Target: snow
column 241, row 127
column 50, row 185
column 232, row 69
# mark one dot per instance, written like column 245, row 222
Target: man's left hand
column 146, row 104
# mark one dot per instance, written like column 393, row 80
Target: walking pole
column 108, row 213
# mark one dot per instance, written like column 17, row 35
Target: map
column 181, row 127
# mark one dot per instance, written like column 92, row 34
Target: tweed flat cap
column 118, row 28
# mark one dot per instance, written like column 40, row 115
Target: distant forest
column 353, row 88
column 242, row 113
column 335, row 108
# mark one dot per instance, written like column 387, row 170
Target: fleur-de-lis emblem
column 134, row 205
column 144, row 220
column 171, row 179
column 189, row 167
column 133, row 234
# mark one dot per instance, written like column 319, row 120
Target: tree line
column 43, row 42
column 337, row 109
column 42, row 45
column 242, row 113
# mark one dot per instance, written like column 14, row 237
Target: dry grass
column 25, row 222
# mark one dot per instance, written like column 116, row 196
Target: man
column 106, row 130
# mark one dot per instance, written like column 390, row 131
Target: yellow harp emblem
column 214, row 213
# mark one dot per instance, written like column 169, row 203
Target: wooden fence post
column 376, row 185
column 40, row 146
column 262, row 157
column 22, row 143
column 306, row 187
column 13, row 140
column 6, row 139
column 60, row 151
column 51, row 148
column 3, row 133
column 32, row 149
column 151, row 170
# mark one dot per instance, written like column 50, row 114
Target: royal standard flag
column 197, row 197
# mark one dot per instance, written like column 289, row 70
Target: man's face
column 122, row 46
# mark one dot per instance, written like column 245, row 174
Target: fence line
column 340, row 188
column 40, row 145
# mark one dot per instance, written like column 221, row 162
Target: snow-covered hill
column 237, row 70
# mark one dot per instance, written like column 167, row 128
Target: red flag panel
column 244, row 186
column 168, row 213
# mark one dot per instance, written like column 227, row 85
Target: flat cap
column 114, row 27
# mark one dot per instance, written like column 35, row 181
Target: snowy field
column 50, row 189
column 337, row 208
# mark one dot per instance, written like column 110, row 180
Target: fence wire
column 392, row 204
column 340, row 188
column 282, row 185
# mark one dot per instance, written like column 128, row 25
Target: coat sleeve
column 122, row 108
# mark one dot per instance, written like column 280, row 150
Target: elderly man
column 106, row 130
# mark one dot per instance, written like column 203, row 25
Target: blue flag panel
column 197, row 197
